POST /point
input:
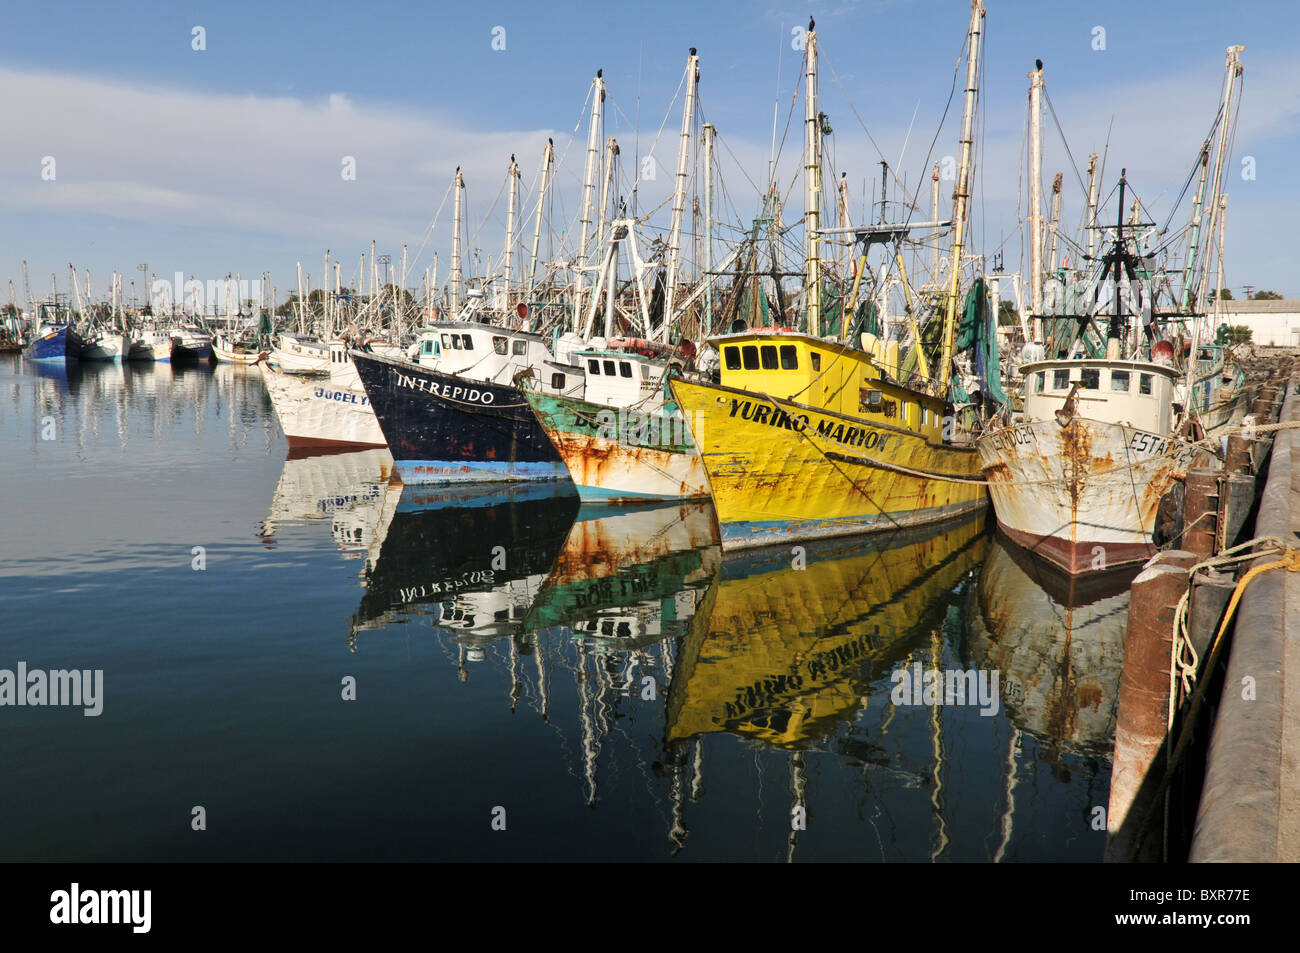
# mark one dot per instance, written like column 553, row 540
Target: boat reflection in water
column 1058, row 642
column 351, row 490
column 627, row 578
column 797, row 658
column 469, row 561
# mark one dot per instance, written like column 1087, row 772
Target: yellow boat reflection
column 789, row 652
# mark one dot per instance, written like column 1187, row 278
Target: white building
column 1275, row 323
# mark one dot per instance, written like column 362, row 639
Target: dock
column 1207, row 741
column 1250, row 802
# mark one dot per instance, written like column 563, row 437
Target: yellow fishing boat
column 806, row 436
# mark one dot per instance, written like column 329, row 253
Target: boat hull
column 781, row 471
column 59, row 344
column 226, row 353
column 616, row 455
column 106, row 347
column 320, row 415
column 444, row 429
column 1083, row 496
column 191, row 353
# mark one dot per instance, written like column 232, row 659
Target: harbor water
column 303, row 659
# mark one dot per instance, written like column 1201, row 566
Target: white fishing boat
column 105, row 344
column 227, row 351
column 150, row 344
column 301, row 354
column 324, row 414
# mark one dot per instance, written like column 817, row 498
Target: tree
column 1007, row 313
column 1227, row 295
column 1266, row 296
column 1235, row 334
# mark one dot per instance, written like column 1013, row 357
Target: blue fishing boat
column 454, row 414
column 54, row 340
column 444, row 429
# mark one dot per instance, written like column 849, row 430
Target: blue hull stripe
column 742, row 535
column 477, row 471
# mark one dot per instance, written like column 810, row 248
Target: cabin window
column 557, row 382
column 1144, row 383
column 1119, row 380
column 816, row 361
column 1090, row 378
column 593, row 366
column 789, row 357
column 1060, row 379
column 609, row 369
column 1039, row 380
column 499, row 344
column 768, row 352
column 625, row 368
column 521, row 347
column 469, row 342
column 750, row 354
column 732, row 354
column 446, row 341
column 426, row 346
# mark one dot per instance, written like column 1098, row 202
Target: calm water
column 602, row 675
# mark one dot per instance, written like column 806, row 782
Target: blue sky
column 228, row 159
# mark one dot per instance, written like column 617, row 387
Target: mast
column 1056, row 222
column 1036, row 188
column 1091, row 222
column 1197, row 210
column 812, row 180
column 843, row 209
column 607, row 184
column 679, row 192
column 934, row 217
column 962, row 192
column 548, row 155
column 453, row 304
column 1234, row 70
column 588, row 189
column 513, row 174
column 707, row 132
column 302, row 319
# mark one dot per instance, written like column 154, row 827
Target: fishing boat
column 624, row 440
column 455, row 414
column 150, row 343
column 54, row 339
column 1077, row 476
column 808, row 434
column 301, row 354
column 323, row 414
column 105, row 344
column 1109, row 424
column 191, row 344
column 229, row 351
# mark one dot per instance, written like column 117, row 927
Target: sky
column 232, row 158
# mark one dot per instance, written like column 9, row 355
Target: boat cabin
column 1133, row 393
column 484, row 352
column 825, row 375
column 619, row 378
